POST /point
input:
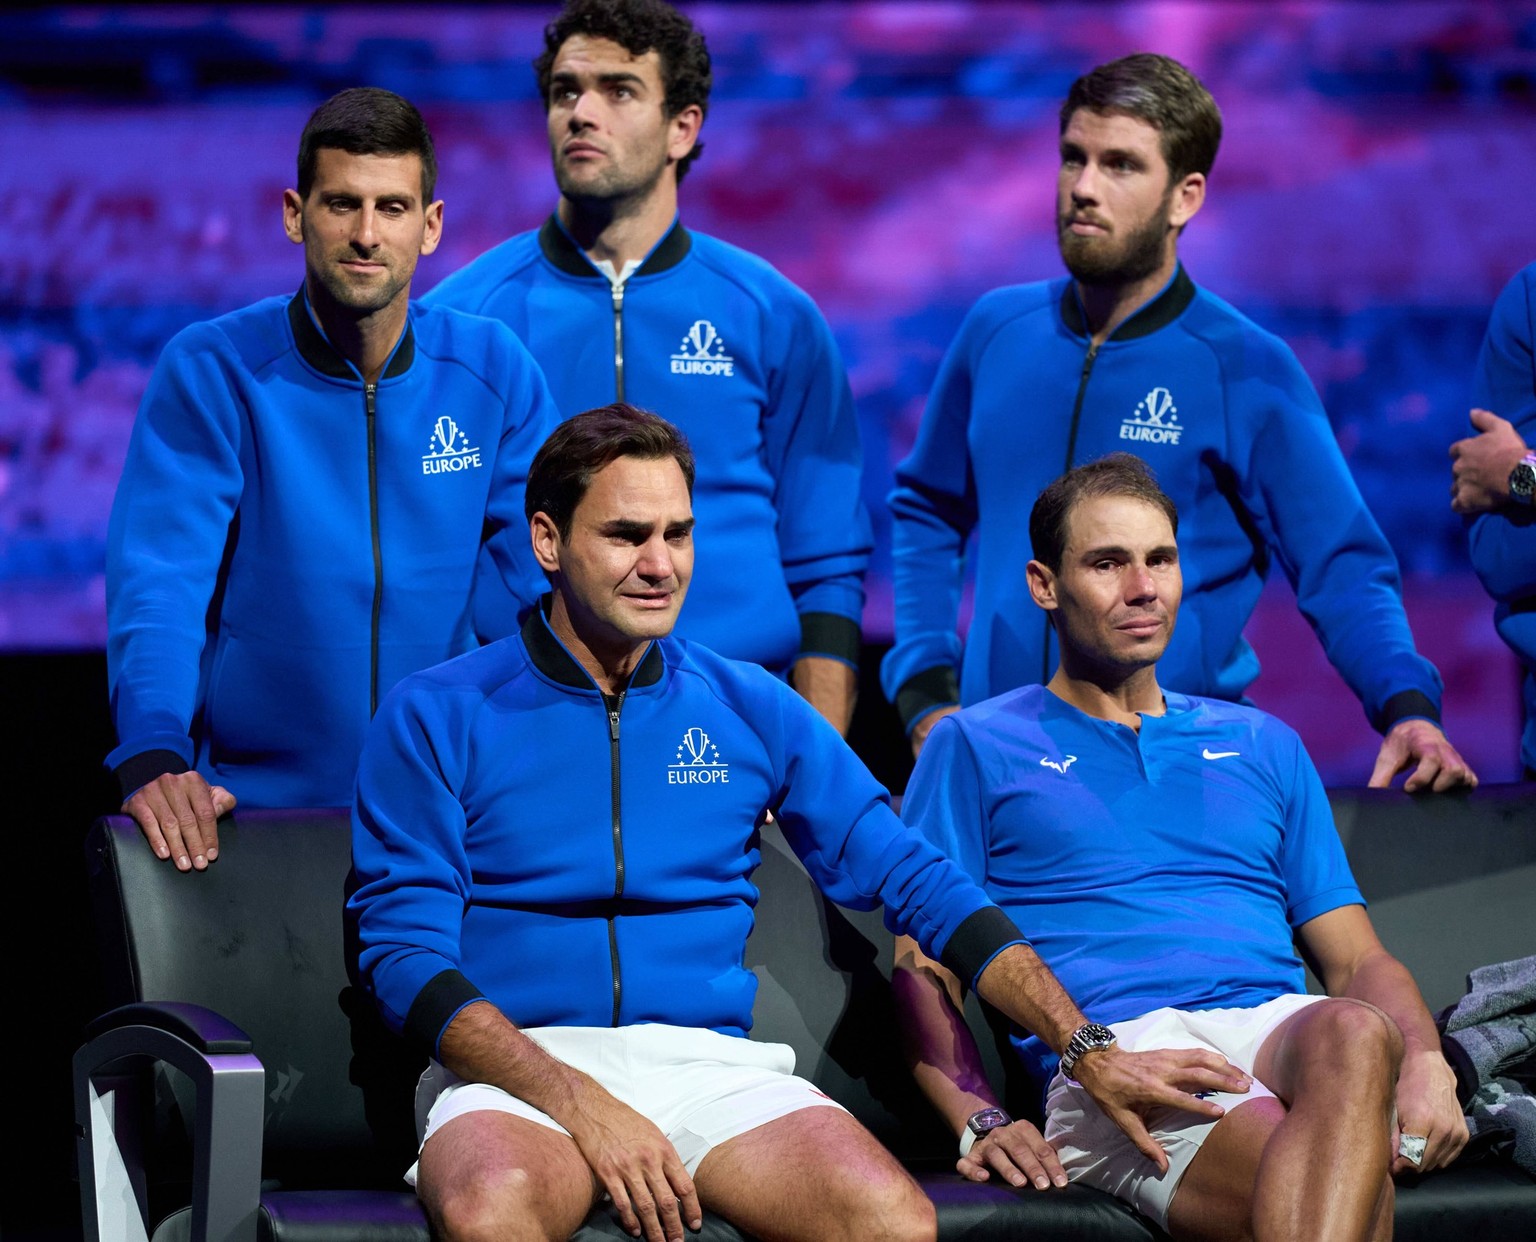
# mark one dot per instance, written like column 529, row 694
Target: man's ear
column 1187, row 198
column 293, row 216
column 683, row 131
column 545, row 537
column 1042, row 585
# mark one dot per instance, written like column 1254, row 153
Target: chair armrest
column 205, row 1031
column 230, row 1087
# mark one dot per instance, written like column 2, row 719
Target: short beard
column 1095, row 264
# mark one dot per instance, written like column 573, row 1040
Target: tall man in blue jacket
column 312, row 486
column 1169, row 854
column 554, row 838
column 618, row 301
column 1494, row 481
column 1129, row 354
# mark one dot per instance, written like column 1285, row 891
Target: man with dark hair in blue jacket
column 618, row 301
column 1129, row 354
column 313, row 487
column 554, row 838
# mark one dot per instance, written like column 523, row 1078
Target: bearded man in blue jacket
column 1129, row 354
column 618, row 301
column 553, row 840
column 313, row 485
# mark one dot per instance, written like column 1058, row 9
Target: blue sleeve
column 1505, row 379
column 838, row 820
column 1313, row 864
column 409, row 857
column 508, row 581
column 944, row 799
column 811, row 442
column 166, row 539
column 1292, row 478
column 933, row 510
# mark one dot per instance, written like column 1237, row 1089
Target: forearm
column 828, row 685
column 938, row 1044
column 482, row 1045
column 1022, row 986
column 1381, row 980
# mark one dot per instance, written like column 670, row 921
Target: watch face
column 1522, row 481
column 988, row 1119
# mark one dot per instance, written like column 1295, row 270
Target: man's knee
column 497, row 1204
column 1360, row 1033
column 894, row 1209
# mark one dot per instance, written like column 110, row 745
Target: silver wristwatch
column 1522, row 480
column 1090, row 1037
column 979, row 1125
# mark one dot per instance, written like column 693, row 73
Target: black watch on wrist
column 1522, row 480
column 979, row 1125
column 1090, row 1037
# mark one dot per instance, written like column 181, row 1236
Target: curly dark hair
column 638, row 26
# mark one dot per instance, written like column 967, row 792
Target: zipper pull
column 370, row 392
column 613, row 715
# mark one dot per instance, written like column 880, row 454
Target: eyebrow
column 623, row 76
column 1164, row 549
column 628, row 528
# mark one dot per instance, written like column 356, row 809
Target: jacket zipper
column 1077, row 414
column 618, row 340
column 370, row 394
column 615, row 705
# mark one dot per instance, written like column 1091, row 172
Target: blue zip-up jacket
column 1503, row 543
column 1227, row 419
column 288, row 542
column 715, row 340
column 580, row 860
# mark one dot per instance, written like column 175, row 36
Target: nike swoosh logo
column 1208, row 753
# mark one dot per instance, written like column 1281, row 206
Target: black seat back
column 259, row 938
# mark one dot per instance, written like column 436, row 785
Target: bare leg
column 488, row 1176
column 814, row 1174
column 1317, row 1168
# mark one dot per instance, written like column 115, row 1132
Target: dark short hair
column 578, row 448
column 1164, row 94
column 367, row 120
column 638, row 26
column 1119, row 474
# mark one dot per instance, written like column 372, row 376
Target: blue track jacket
column 1232, row 428
column 288, row 542
column 586, row 861
column 715, row 340
column 1503, row 543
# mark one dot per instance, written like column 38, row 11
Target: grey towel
column 1504, row 1115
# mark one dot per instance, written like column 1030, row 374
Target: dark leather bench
column 259, row 940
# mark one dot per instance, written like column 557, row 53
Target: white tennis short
column 1095, row 1150
column 699, row 1087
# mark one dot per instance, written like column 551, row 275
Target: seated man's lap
column 699, row 1087
column 1094, row 1150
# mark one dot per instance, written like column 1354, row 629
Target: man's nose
column 1140, row 585
column 366, row 235
column 584, row 111
column 655, row 560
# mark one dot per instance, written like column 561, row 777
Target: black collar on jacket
column 322, row 355
column 1158, row 313
column 567, row 256
column 551, row 658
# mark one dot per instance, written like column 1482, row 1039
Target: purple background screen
column 1372, row 196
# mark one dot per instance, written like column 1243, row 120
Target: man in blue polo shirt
column 1161, row 852
column 618, row 301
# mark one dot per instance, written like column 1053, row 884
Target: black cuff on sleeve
column 446, row 993
column 1403, row 704
column 923, row 692
column 828, row 634
column 977, row 941
column 138, row 770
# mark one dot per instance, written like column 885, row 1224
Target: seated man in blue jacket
column 1494, row 482
column 313, row 485
column 1166, row 852
column 554, row 839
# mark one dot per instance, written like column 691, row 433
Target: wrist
column 1089, row 1038
column 980, row 1124
column 1522, row 480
